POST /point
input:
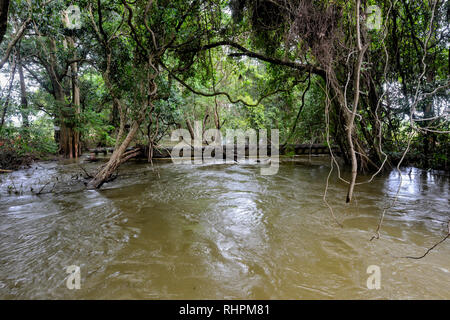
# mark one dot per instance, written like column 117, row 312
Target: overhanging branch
column 226, row 94
column 259, row 56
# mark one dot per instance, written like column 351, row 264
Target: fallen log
column 5, row 171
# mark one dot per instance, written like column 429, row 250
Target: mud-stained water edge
column 220, row 232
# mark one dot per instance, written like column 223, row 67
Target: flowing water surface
column 220, row 232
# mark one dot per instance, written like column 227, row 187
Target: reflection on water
column 220, row 231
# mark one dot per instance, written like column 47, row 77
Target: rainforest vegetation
column 372, row 81
column 354, row 96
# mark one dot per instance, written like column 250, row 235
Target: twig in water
column 88, row 175
column 434, row 246
column 40, row 191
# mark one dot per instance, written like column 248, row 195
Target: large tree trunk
column 190, row 129
column 69, row 140
column 118, row 157
column 76, row 102
column 66, row 134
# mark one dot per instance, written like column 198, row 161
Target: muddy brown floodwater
column 220, row 231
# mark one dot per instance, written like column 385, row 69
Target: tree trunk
column 66, row 131
column 117, row 158
column 191, row 130
column 69, row 140
column 23, row 96
column 5, row 108
column 76, row 105
column 65, row 134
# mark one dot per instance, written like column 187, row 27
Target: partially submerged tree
column 135, row 45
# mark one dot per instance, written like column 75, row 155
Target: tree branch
column 13, row 42
column 218, row 93
column 251, row 54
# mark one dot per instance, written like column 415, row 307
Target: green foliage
column 19, row 145
column 262, row 27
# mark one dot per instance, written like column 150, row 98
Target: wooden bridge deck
column 298, row 149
